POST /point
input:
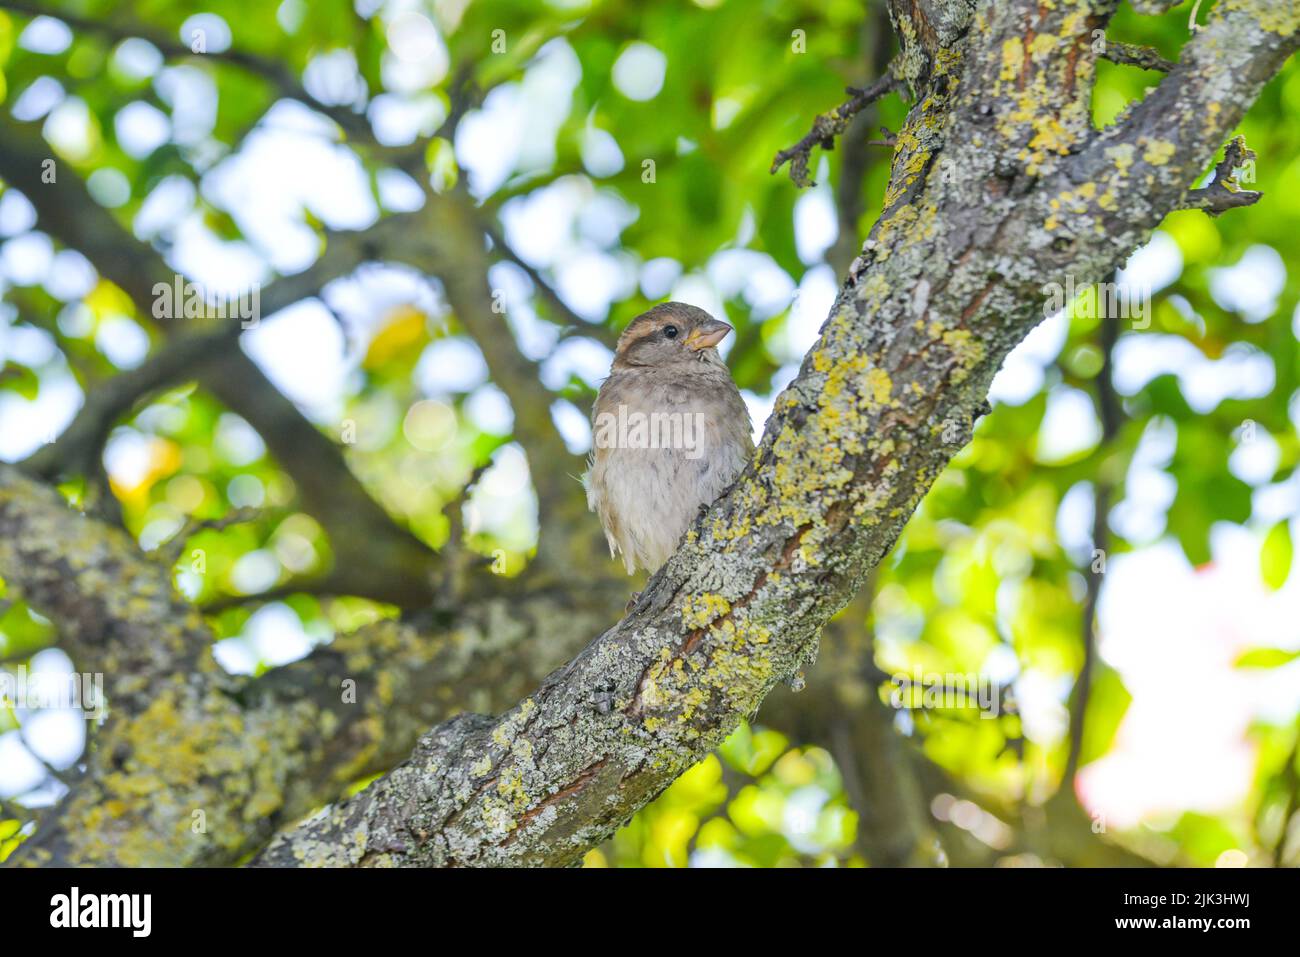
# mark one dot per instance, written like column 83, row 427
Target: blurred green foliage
column 981, row 570
column 757, row 803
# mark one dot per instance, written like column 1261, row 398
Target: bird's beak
column 707, row 334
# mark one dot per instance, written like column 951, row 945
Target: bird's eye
column 670, row 332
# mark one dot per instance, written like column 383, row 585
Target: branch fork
column 827, row 126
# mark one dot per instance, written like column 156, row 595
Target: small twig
column 170, row 550
column 829, row 125
column 1224, row 192
column 525, row 183
column 464, row 96
column 1112, row 420
column 1131, row 54
column 458, row 560
column 454, row 509
column 410, row 158
column 890, row 138
column 65, row 776
column 572, row 323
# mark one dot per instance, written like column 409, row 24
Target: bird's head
column 671, row 335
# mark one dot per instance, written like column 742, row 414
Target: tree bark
column 999, row 185
column 251, row 755
column 949, row 281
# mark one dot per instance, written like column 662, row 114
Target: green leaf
column 1107, row 704
column 1204, row 838
column 20, row 379
column 1266, row 658
column 1275, row 556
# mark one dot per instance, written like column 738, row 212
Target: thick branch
column 113, row 607
column 950, row 283
column 389, row 563
column 252, row 754
column 78, row 448
column 1172, row 135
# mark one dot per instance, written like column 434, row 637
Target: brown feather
column 645, row 496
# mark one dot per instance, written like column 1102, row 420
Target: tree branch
column 829, row 125
column 572, row 322
column 288, row 740
column 876, row 39
column 1179, row 126
column 384, row 561
column 1224, row 193
column 460, row 260
column 1111, row 414
column 1131, row 54
column 77, row 449
column 113, row 606
column 948, row 283
column 924, row 320
column 279, row 75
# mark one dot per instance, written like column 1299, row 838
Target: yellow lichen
column 1122, row 156
column 699, row 610
column 1013, row 58
column 881, row 386
column 1158, row 152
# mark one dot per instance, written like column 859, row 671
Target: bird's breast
column 663, row 446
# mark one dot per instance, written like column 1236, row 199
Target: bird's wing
column 593, row 480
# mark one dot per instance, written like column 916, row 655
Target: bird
column 670, row 432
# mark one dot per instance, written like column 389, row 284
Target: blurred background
column 1112, row 552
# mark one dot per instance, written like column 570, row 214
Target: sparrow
column 670, row 432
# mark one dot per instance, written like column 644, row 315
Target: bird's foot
column 631, row 602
